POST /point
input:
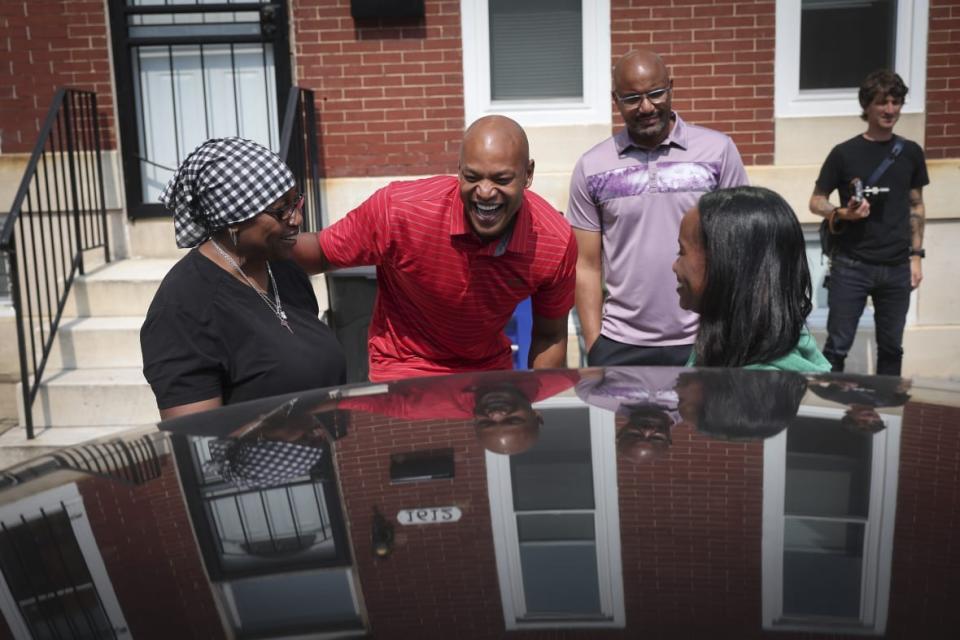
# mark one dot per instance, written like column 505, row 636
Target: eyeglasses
column 657, row 96
column 285, row 214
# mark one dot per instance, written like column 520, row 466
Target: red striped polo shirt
column 443, row 296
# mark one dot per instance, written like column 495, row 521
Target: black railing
column 58, row 213
column 298, row 147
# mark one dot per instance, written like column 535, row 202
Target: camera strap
column 889, row 160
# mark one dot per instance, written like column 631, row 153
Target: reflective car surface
column 619, row 502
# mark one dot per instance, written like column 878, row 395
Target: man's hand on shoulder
column 309, row 255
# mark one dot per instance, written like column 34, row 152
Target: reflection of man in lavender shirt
column 631, row 191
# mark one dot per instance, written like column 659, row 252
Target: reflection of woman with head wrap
column 739, row 404
column 235, row 319
column 273, row 448
column 645, row 401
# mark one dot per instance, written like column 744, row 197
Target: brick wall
column 48, row 44
column 943, row 80
column 721, row 57
column 148, row 547
column 389, row 94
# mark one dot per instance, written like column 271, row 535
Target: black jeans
column 610, row 353
column 851, row 281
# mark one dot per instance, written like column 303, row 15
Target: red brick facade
column 721, row 57
column 49, row 44
column 943, row 80
column 389, row 94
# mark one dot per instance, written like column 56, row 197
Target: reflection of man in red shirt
column 500, row 404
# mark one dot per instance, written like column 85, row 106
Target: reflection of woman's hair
column 740, row 404
column 757, row 294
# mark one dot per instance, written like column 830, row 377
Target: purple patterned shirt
column 640, row 196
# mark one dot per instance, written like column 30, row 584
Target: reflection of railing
column 298, row 147
column 58, row 213
column 272, row 522
column 134, row 462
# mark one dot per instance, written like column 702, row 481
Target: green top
column 805, row 357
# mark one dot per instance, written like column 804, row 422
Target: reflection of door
column 828, row 514
column 54, row 581
column 556, row 526
column 187, row 72
column 278, row 554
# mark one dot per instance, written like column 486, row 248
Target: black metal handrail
column 58, row 213
column 298, row 147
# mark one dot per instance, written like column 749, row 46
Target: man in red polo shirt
column 454, row 256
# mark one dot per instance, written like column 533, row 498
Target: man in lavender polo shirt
column 627, row 197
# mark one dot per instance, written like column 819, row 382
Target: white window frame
column 230, row 603
column 594, row 108
column 911, row 63
column 878, row 531
column 67, row 496
column 606, row 526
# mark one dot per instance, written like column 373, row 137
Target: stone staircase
column 93, row 385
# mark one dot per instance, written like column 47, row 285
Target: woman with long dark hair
column 742, row 266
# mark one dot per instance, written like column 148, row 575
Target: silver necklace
column 274, row 306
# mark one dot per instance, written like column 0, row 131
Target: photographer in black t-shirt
column 878, row 241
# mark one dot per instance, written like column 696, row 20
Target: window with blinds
column 536, row 49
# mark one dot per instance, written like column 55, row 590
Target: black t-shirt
column 207, row 335
column 883, row 237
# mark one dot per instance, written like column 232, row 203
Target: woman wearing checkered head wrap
column 222, row 183
column 235, row 319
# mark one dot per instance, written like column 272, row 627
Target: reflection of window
column 863, row 35
column 556, row 524
column 539, row 61
column 275, row 552
column 291, row 604
column 829, row 503
column 54, row 583
column 266, row 530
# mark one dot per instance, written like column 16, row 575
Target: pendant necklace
column 274, row 306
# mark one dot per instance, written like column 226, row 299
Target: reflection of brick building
column 690, row 523
column 926, row 561
column 150, row 552
column 441, row 580
column 392, row 97
column 690, row 527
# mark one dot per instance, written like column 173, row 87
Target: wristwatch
column 918, row 252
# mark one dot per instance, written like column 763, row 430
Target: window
column 827, row 553
column 541, row 62
column 863, row 34
column 559, row 500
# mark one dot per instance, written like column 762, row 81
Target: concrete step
column 93, row 397
column 16, row 448
column 101, row 342
column 122, row 288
